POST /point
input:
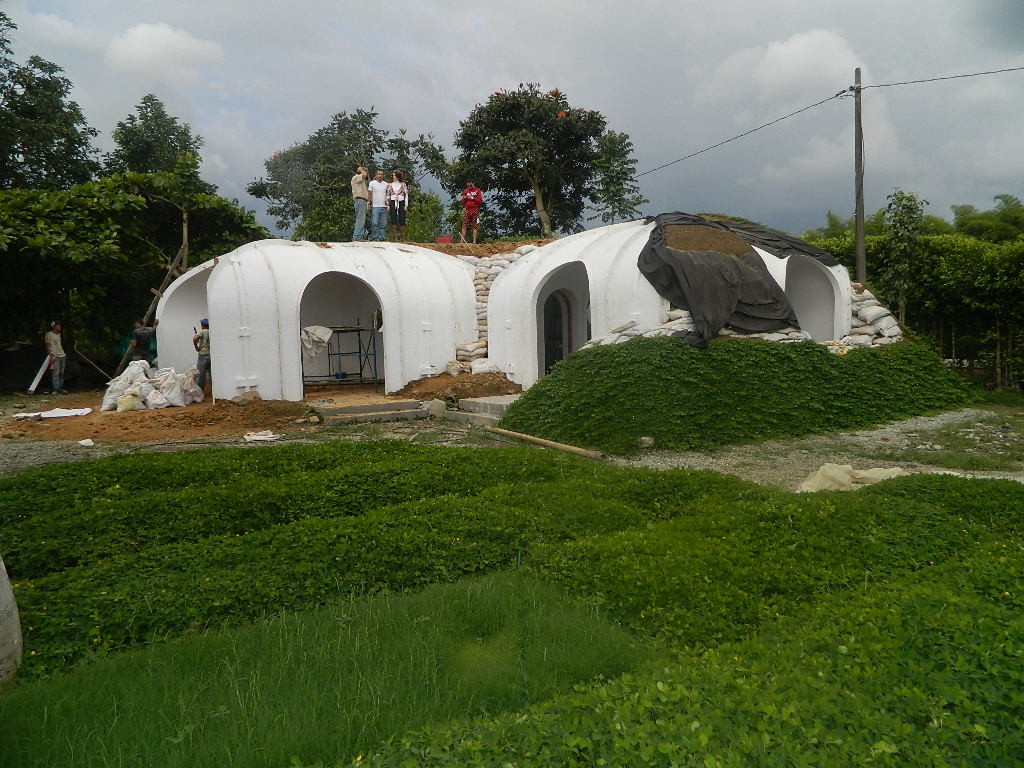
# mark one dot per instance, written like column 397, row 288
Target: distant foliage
column 45, row 141
column 734, row 391
column 542, row 161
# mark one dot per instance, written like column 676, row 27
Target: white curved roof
column 254, row 301
column 617, row 292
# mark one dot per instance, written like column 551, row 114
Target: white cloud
column 160, row 51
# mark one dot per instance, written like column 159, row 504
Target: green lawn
column 395, row 602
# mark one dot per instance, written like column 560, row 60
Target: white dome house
column 396, row 312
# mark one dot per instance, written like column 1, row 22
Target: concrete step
column 374, row 416
column 466, row 417
column 491, row 406
column 383, row 407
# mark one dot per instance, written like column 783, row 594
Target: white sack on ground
column 149, row 388
column 843, row 477
column 483, row 365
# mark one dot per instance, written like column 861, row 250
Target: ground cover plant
column 734, row 391
column 335, row 680
column 706, row 566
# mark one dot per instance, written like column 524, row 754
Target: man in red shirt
column 472, row 199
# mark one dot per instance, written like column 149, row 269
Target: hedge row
column 721, row 571
column 924, row 670
column 234, row 492
column 721, row 565
column 734, row 391
column 166, row 590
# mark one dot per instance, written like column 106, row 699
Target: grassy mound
column 331, row 681
column 735, row 391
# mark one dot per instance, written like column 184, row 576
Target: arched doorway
column 557, row 329
column 814, row 293
column 563, row 314
column 354, row 352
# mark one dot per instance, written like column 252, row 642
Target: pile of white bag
column 141, row 387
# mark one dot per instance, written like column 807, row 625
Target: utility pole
column 860, row 259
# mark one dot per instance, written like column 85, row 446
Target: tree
column 89, row 255
column 45, row 142
column 151, row 141
column 1002, row 224
column 308, row 187
column 616, row 194
column 538, row 157
column 903, row 216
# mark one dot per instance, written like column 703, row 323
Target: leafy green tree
column 45, row 142
column 616, row 195
column 426, row 218
column 903, row 217
column 307, row 186
column 536, row 156
column 88, row 255
column 151, row 141
column 1001, row 224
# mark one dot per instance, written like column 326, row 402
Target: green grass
column 316, row 685
column 922, row 670
column 905, row 596
column 734, row 391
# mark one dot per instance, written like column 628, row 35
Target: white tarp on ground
column 843, row 477
column 141, row 387
column 53, row 413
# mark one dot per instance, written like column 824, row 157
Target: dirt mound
column 197, row 421
column 449, row 388
column 482, row 250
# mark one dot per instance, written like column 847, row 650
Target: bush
column 924, row 670
column 735, row 390
column 126, row 503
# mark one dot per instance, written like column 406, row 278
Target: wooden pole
column 179, row 259
column 549, row 443
column 858, row 183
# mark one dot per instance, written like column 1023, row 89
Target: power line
column 842, row 94
column 936, row 79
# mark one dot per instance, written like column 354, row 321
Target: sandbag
column 129, row 401
column 155, row 399
column 483, row 365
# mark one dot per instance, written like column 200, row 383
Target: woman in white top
column 398, row 205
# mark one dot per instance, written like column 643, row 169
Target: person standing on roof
column 55, row 349
column 472, row 199
column 360, row 200
column 201, row 341
column 398, row 205
column 378, row 189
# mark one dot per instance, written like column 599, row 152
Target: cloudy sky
column 255, row 77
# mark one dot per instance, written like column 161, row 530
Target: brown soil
column 445, row 387
column 199, row 421
column 481, row 250
column 690, row 238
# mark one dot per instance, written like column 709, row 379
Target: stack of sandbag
column 470, row 351
column 141, row 387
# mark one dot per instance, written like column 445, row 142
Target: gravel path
column 787, row 463
column 780, row 463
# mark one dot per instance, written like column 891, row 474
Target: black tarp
column 718, row 289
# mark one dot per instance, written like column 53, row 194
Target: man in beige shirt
column 360, row 197
column 55, row 349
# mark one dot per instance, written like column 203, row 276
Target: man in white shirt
column 378, row 189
